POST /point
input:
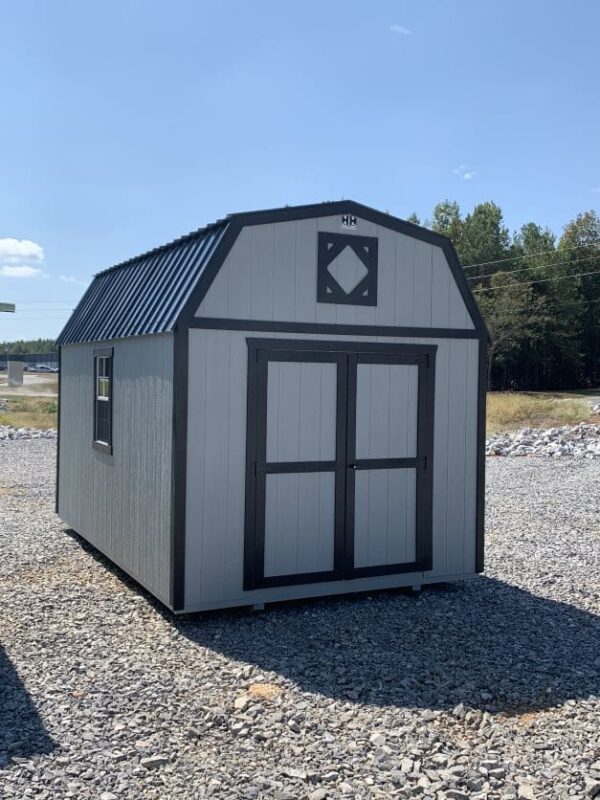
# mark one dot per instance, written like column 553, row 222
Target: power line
column 530, row 283
column 537, row 266
column 532, row 255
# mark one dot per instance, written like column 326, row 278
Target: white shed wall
column 216, row 469
column 271, row 274
column 121, row 503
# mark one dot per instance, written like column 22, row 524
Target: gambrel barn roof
column 144, row 294
column 151, row 293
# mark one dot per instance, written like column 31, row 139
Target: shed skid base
column 315, row 592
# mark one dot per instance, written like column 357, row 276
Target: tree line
column 25, row 346
column 539, row 294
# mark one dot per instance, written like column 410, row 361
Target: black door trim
column 347, row 356
column 417, row 351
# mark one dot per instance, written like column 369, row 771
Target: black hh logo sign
column 349, row 221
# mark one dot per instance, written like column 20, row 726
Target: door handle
column 352, row 466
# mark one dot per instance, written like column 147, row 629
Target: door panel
column 301, row 411
column 338, row 460
column 386, row 410
column 299, row 523
column 385, row 517
column 295, row 466
column 390, row 444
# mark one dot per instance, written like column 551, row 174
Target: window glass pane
column 103, row 388
column 103, row 421
column 103, row 402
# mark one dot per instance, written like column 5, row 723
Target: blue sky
column 129, row 123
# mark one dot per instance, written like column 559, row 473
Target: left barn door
column 296, row 409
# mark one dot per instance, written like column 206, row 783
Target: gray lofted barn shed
column 287, row 403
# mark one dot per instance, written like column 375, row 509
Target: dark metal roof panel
column 145, row 294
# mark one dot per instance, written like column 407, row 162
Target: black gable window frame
column 103, row 400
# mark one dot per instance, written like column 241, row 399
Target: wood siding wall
column 270, row 274
column 216, row 469
column 121, row 503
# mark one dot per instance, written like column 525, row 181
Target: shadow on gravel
column 484, row 643
column 22, row 733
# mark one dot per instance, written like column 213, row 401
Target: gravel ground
column 10, row 432
column 485, row 689
column 578, row 441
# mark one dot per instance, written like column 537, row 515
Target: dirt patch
column 265, row 691
column 11, row 491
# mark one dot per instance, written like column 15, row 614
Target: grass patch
column 511, row 410
column 505, row 411
column 30, row 412
column 33, row 383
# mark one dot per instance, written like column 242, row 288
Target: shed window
column 103, row 395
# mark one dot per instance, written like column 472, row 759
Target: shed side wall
column 271, row 275
column 216, row 468
column 121, row 503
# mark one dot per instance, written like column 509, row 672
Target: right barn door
column 390, row 438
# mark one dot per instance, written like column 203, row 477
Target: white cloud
column 464, row 172
column 16, row 250
column 595, row 189
column 400, row 30
column 21, row 258
column 19, row 271
column 70, row 279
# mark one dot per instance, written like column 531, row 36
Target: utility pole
column 10, row 309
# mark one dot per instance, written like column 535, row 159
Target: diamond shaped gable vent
column 347, row 269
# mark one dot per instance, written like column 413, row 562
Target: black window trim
column 103, row 352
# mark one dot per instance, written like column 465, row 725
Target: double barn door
column 338, row 472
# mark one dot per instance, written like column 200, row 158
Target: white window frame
column 103, row 358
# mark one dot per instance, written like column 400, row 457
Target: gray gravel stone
column 154, row 761
column 10, row 432
column 578, row 441
column 472, row 690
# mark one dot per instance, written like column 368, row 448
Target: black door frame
column 347, row 356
